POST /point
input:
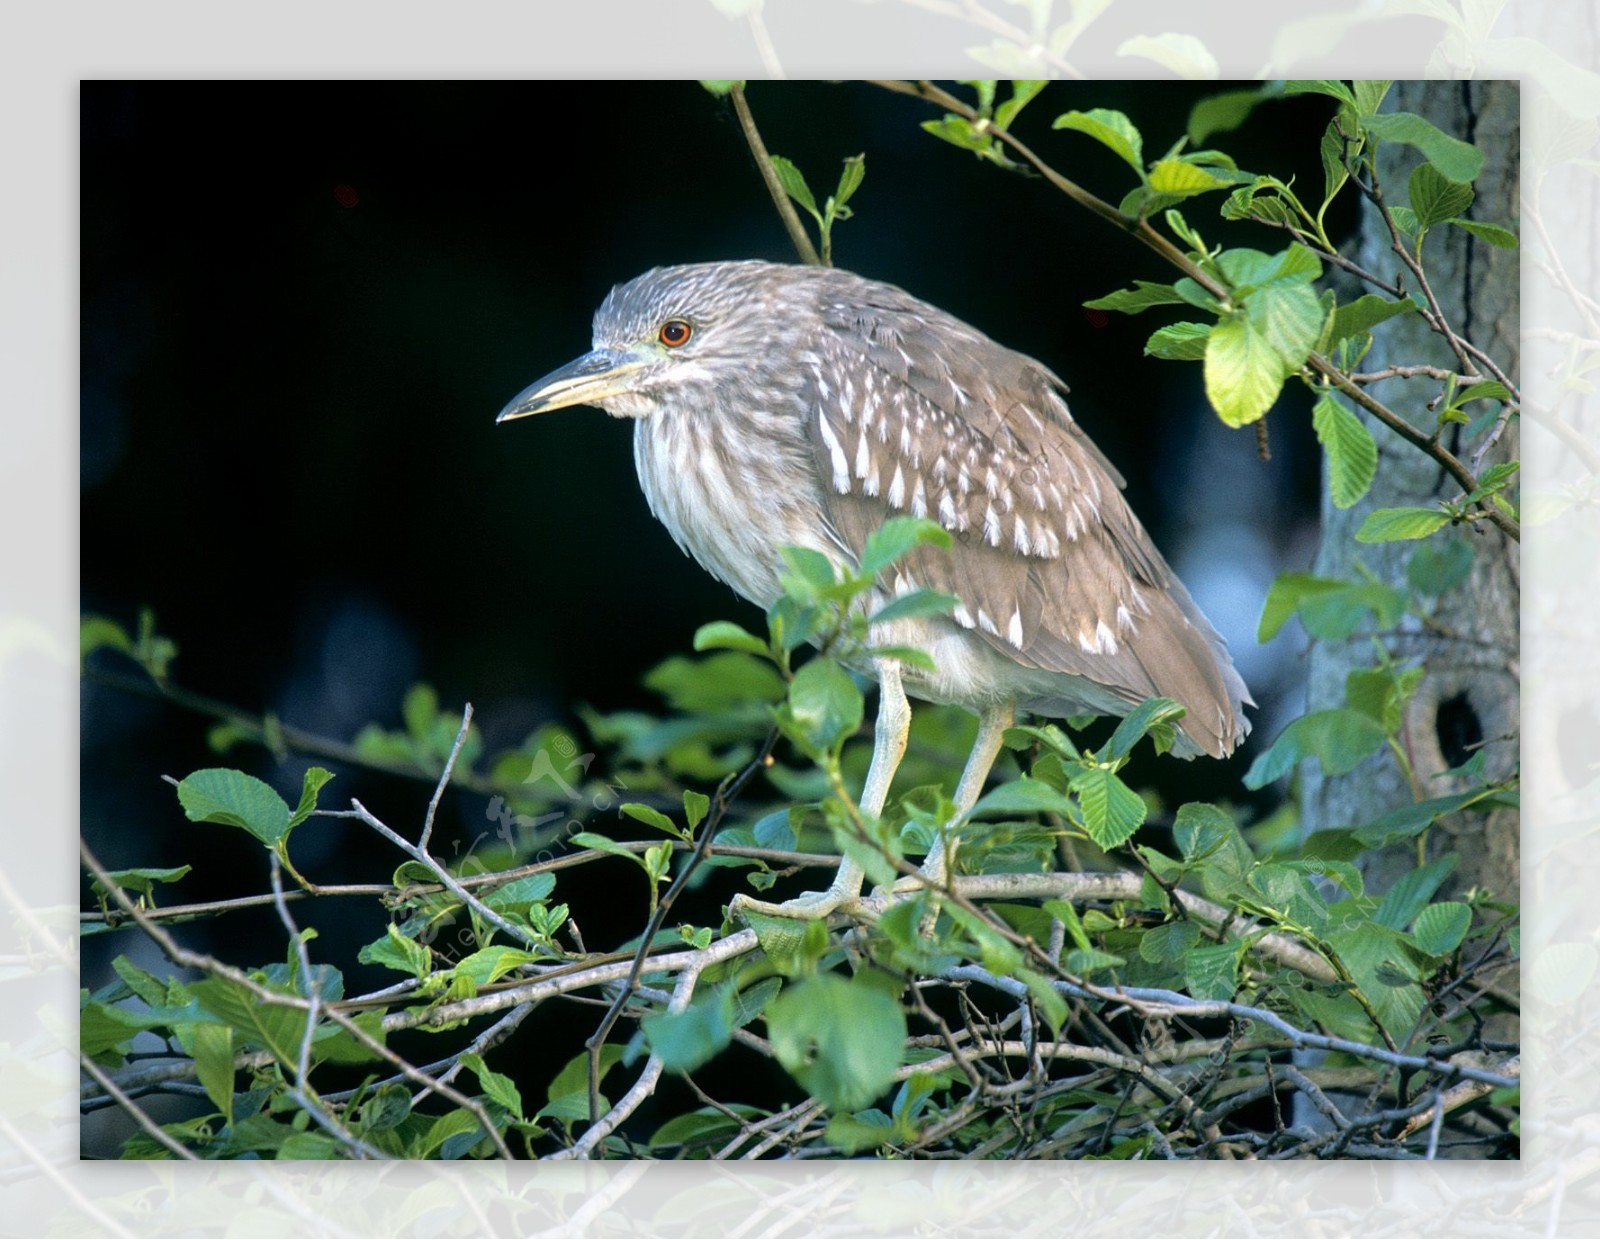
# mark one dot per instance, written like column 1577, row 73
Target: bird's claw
column 812, row 906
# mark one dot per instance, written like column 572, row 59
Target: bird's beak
column 586, row 381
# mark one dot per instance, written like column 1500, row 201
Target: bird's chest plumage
column 730, row 500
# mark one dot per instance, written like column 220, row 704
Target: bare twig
column 769, row 175
column 444, row 778
column 718, row 810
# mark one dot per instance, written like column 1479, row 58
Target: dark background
column 303, row 304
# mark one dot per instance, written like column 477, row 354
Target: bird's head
column 666, row 333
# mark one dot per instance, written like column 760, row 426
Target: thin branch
column 449, row 881
column 717, row 812
column 137, row 1113
column 769, row 174
column 444, row 778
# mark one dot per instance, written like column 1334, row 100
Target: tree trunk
column 1470, row 652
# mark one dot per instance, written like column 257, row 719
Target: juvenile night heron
column 780, row 404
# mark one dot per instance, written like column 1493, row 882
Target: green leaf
column 386, row 1109
column 958, row 131
column 1169, row 943
column 335, row 1044
column 1352, row 452
column 721, row 86
column 811, row 567
column 1179, row 176
column 824, row 704
column 139, row 882
column 497, row 1087
column 1492, row 233
column 651, row 817
column 1334, row 615
column 1049, row 1000
column 1339, row 739
column 1192, row 292
column 1220, row 113
column 142, row 982
column 308, row 1147
column 573, row 1079
column 1485, row 389
column 853, row 1133
column 396, row 951
column 1395, row 524
column 1243, row 372
column 1022, row 796
column 213, row 1062
column 277, row 1029
column 605, row 844
column 695, row 807
column 1411, row 892
column 1322, row 86
column 1381, row 693
column 1439, row 928
column 220, row 794
column 1110, row 128
column 1211, row 973
column 1369, row 94
column 703, row 1124
column 896, row 537
column 97, row 631
column 1143, row 295
column 1457, row 160
column 1334, row 170
column 1081, row 962
column 794, row 184
column 726, row 635
column 1286, row 595
column 1112, row 811
column 841, row 1040
column 520, row 892
column 418, row 710
column 489, row 964
column 1179, row 342
column 1435, row 198
column 850, row 177
column 919, row 602
column 791, row 945
column 1289, row 318
column 310, row 785
column 1200, row 829
column 1439, row 565
column 1365, row 313
column 1154, row 716
column 1405, row 219
column 728, row 678
column 1022, row 92
column 685, row 1040
column 1380, row 960
column 749, row 1004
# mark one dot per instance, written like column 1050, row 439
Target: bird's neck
column 730, row 496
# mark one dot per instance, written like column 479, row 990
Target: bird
column 784, row 405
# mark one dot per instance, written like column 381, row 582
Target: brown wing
column 1051, row 565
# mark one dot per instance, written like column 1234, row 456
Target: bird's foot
column 812, row 906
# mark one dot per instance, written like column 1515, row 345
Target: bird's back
column 895, row 407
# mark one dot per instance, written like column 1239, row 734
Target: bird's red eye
column 675, row 333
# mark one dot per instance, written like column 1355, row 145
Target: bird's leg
column 888, row 747
column 992, row 725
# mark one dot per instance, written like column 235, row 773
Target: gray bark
column 1472, row 666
